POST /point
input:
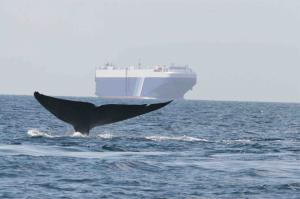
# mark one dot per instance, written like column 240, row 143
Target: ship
column 155, row 82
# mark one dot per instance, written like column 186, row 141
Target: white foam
column 37, row 133
column 78, row 134
column 243, row 141
column 105, row 135
column 176, row 138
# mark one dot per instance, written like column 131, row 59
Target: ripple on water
column 175, row 138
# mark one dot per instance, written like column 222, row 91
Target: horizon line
column 187, row 99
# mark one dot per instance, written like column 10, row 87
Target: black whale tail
column 83, row 116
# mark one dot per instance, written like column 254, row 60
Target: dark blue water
column 189, row 149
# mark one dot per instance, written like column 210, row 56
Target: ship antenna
column 139, row 63
column 126, row 78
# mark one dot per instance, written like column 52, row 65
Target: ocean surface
column 188, row 149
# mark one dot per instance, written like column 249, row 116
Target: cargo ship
column 157, row 82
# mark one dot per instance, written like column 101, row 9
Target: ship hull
column 144, row 87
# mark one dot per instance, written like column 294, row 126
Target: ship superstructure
column 157, row 82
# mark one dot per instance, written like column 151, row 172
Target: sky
column 245, row 50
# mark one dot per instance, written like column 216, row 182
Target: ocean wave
column 105, row 135
column 234, row 141
column 78, row 134
column 37, row 133
column 113, row 147
column 176, row 138
column 54, row 151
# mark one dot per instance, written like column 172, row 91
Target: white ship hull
column 144, row 83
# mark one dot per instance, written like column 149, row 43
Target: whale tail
column 84, row 116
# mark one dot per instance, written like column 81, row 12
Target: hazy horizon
column 242, row 50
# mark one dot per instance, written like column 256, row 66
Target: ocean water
column 188, row 149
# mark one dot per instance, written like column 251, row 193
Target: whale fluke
column 84, row 116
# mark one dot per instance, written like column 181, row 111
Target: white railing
column 157, row 68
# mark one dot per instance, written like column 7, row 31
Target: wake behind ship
column 158, row 82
